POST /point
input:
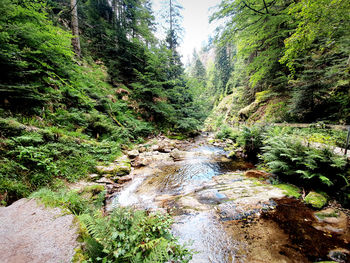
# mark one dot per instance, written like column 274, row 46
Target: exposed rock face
column 29, row 232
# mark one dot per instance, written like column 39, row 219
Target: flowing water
column 216, row 208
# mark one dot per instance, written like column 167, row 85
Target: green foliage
column 296, row 50
column 251, row 139
column 316, row 19
column 289, row 158
column 32, row 159
column 330, row 137
column 35, row 54
column 126, row 235
column 64, row 199
column 132, row 236
column 225, row 132
column 290, row 190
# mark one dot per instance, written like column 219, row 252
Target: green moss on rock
column 316, row 200
column 290, row 190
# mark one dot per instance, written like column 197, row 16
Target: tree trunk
column 171, row 28
column 75, row 28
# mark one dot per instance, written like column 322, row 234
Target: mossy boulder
column 316, row 200
column 120, row 167
column 92, row 191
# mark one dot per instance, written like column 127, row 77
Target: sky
column 195, row 23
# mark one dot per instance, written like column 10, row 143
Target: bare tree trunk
column 75, row 28
column 171, row 28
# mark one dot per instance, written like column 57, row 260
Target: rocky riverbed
column 226, row 211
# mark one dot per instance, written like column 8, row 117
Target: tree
column 198, row 70
column 75, row 27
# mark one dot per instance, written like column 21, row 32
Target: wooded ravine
column 100, row 118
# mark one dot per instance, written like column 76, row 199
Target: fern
column 133, row 236
column 288, row 157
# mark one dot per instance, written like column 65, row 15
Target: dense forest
column 276, row 61
column 82, row 81
column 115, row 84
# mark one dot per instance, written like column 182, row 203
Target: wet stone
column 235, row 211
column 331, row 220
column 339, row 255
column 257, row 174
column 124, row 179
column 133, row 154
column 211, row 196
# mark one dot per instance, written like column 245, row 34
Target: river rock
column 331, row 220
column 29, row 232
column 238, row 211
column 166, row 146
column 120, row 167
column 178, row 155
column 122, row 160
column 257, row 174
column 141, row 161
column 155, row 147
column 142, row 149
column 211, row 196
column 339, row 255
column 114, row 169
column 94, row 177
column 104, row 180
column 125, row 179
column 133, row 154
column 316, row 200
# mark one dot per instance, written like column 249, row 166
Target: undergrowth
column 81, row 126
column 125, row 235
column 303, row 157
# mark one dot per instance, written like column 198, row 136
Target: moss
column 289, row 190
column 211, row 141
column 316, row 200
column 177, row 137
column 94, row 189
column 326, row 215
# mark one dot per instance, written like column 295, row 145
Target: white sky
column 195, row 22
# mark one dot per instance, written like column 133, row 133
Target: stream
column 225, row 216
